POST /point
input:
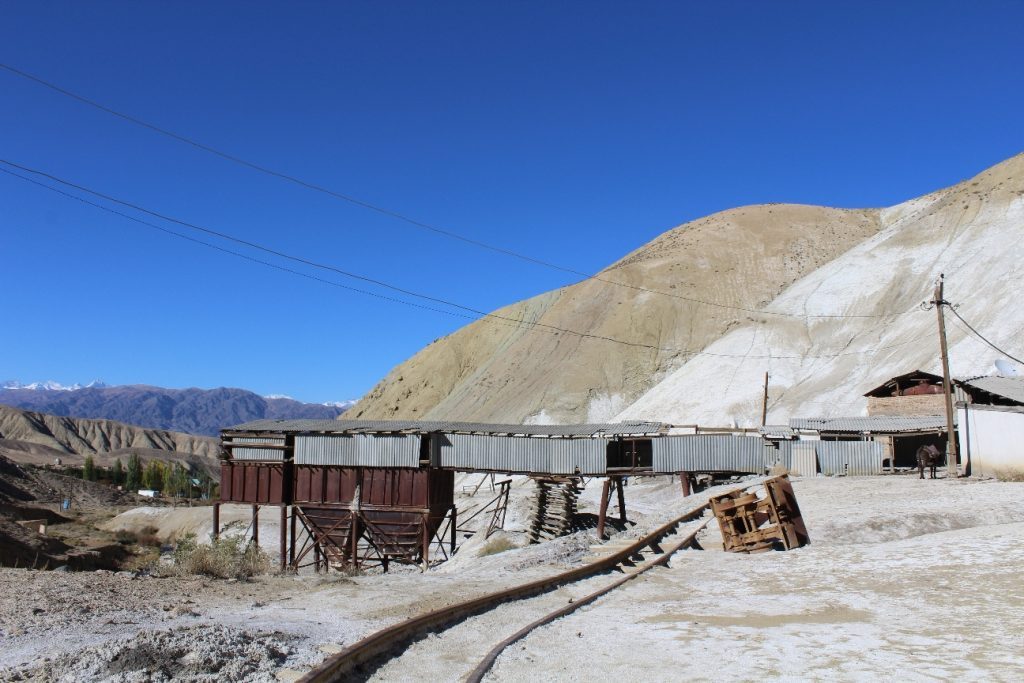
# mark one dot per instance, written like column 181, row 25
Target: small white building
column 148, row 493
column 991, row 440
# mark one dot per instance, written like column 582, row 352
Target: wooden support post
column 291, row 548
column 947, row 383
column 284, row 537
column 764, row 402
column 684, row 481
column 316, row 557
column 603, row 512
column 216, row 521
column 256, row 525
column 622, row 499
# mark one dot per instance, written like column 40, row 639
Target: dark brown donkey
column 930, row 457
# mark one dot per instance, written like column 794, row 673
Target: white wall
column 993, row 438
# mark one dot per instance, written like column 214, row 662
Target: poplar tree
column 133, row 478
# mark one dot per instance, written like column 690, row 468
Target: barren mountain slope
column 38, row 438
column 193, row 411
column 498, row 371
column 972, row 232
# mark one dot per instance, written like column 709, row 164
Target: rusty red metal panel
column 237, row 483
column 332, row 485
column 225, row 481
column 276, row 484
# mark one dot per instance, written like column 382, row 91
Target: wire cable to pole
column 402, row 217
column 483, row 315
column 982, row 337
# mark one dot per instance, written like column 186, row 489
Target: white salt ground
column 908, row 579
column 904, row 580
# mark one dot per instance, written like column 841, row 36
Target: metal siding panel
column 782, row 455
column 708, row 453
column 387, row 450
column 359, row 450
column 325, row 450
column 857, row 458
column 260, row 454
column 585, row 456
column 494, row 454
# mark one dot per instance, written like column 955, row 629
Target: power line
column 492, row 317
column 982, row 338
column 402, row 217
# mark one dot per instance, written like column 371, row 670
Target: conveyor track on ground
column 355, row 660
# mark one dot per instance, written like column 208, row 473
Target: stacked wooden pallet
column 554, row 509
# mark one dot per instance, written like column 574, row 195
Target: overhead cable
column 493, row 317
column 411, row 221
column 982, row 338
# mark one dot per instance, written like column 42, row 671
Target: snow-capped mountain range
column 50, row 385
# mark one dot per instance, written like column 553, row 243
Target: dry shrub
column 126, row 537
column 778, row 469
column 148, row 536
column 1009, row 475
column 497, row 545
column 225, row 558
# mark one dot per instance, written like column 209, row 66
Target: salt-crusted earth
column 904, row 578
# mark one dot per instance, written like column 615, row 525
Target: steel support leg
column 291, row 549
column 684, row 482
column 284, row 537
column 455, row 517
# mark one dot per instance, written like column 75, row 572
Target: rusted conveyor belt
column 338, row 666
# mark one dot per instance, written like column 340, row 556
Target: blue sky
column 570, row 131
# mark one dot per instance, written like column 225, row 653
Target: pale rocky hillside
column 781, row 262
column 38, row 438
column 973, row 232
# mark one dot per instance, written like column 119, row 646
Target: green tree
column 174, row 479
column 89, row 469
column 133, row 476
column 153, row 475
column 117, row 473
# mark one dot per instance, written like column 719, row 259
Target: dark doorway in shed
column 631, row 454
column 905, row 447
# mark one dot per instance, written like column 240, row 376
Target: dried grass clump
column 225, row 558
column 496, row 545
column 1009, row 475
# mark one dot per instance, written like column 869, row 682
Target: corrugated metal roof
column 776, row 432
column 884, row 424
column 426, row 427
column 1011, row 388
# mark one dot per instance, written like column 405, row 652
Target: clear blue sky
column 571, row 131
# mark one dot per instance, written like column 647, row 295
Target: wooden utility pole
column 947, row 384
column 764, row 402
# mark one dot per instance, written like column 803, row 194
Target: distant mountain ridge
column 191, row 411
column 39, row 438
